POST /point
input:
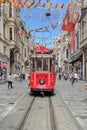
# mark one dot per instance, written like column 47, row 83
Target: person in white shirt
column 76, row 76
column 9, row 80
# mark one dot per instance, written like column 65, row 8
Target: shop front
column 3, row 70
column 77, row 65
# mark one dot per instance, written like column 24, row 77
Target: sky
column 36, row 18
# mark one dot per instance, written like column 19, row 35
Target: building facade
column 13, row 47
column 83, row 40
column 78, row 58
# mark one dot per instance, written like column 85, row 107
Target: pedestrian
column 59, row 76
column 72, row 78
column 76, row 76
column 9, row 80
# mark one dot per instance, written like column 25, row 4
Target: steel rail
column 52, row 115
column 26, row 115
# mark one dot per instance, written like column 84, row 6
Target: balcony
column 83, row 43
column 5, row 16
column 14, row 45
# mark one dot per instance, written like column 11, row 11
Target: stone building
column 57, row 53
column 62, row 52
column 83, row 41
column 13, row 50
column 78, row 58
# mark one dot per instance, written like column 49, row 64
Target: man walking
column 9, row 80
column 72, row 78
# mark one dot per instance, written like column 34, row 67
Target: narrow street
column 43, row 65
column 69, row 103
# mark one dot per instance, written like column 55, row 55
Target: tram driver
column 39, row 65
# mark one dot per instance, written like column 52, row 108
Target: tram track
column 52, row 115
column 52, row 119
column 26, row 115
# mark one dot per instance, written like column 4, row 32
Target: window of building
column 22, row 52
column 4, row 50
column 3, row 30
column 85, row 28
column 10, row 33
column 25, row 52
column 82, row 30
column 77, row 37
column 67, row 53
column 10, row 11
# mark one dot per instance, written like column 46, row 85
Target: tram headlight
column 42, row 81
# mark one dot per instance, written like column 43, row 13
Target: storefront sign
column 3, row 64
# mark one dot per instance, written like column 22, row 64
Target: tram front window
column 42, row 64
column 45, row 65
column 39, row 65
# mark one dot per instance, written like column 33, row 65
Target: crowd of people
column 16, row 77
column 73, row 76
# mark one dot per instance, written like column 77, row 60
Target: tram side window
column 51, row 65
column 45, row 65
column 39, row 65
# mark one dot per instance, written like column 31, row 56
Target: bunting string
column 35, row 4
column 39, row 29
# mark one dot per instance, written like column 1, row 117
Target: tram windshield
column 39, row 65
column 42, row 64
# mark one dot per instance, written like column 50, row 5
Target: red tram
column 42, row 70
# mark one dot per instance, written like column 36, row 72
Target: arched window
column 10, row 33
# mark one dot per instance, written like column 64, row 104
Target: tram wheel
column 42, row 94
column 52, row 93
column 31, row 92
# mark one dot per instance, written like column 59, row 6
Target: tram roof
column 42, row 55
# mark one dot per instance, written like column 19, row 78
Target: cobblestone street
column 75, row 98
column 9, row 98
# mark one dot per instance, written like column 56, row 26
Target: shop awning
column 76, row 58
